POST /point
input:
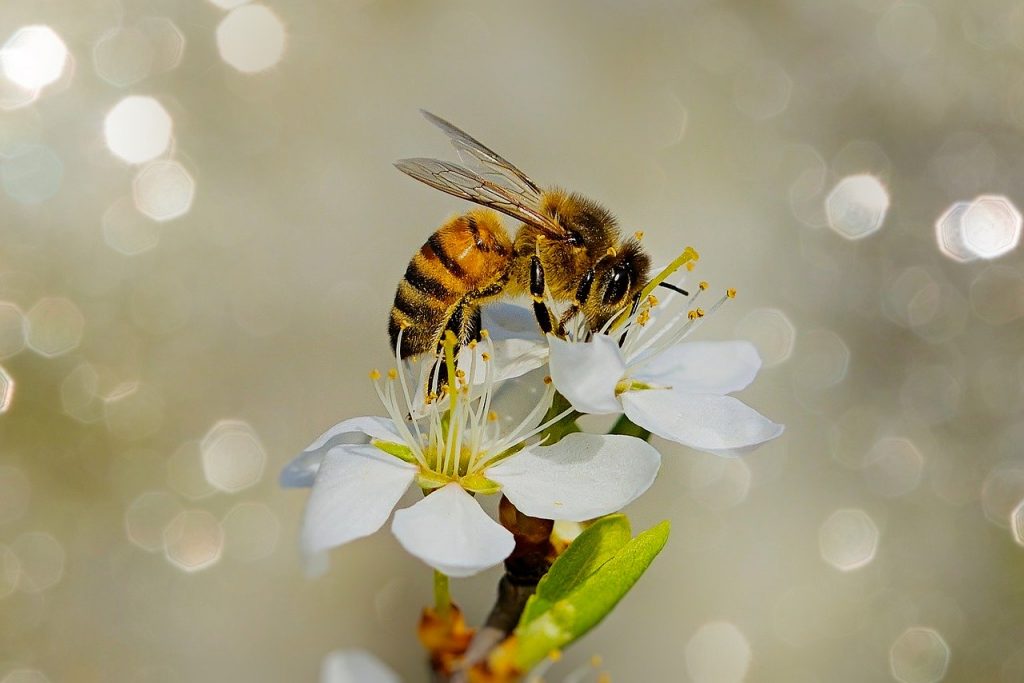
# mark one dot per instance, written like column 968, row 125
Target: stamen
column 694, row 322
column 731, row 293
column 687, row 258
column 375, row 375
column 387, row 399
column 476, row 448
column 392, row 374
column 670, row 335
column 515, row 437
column 488, row 378
column 703, row 284
column 450, row 343
column 405, row 388
column 475, row 423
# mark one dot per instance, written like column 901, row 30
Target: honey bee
column 568, row 249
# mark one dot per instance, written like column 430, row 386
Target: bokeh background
column 200, row 235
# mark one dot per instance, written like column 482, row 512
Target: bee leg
column 471, row 327
column 540, row 309
column 582, row 295
column 463, row 324
column 632, row 312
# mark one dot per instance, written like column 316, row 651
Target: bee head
column 618, row 277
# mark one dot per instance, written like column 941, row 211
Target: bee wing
column 465, row 184
column 483, row 159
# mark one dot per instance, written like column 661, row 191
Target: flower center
column 454, row 435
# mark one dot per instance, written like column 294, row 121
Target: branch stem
column 442, row 595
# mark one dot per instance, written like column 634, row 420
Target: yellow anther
column 731, row 293
column 486, row 356
column 596, row 661
column 460, row 373
column 639, row 234
column 612, row 252
column 547, row 379
column 644, row 317
column 430, row 398
column 392, row 374
column 690, row 265
column 692, row 315
column 472, row 344
column 492, row 416
column 375, row 375
column 703, row 284
column 604, row 677
column 555, row 655
column 484, row 334
column 700, row 312
column 652, row 300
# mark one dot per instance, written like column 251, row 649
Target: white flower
column 518, row 351
column 673, row 389
column 458, row 447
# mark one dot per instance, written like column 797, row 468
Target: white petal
column 449, row 531
column 702, row 367
column 707, row 422
column 516, row 399
column 581, row 477
column 302, row 469
column 509, row 358
column 355, row 666
column 354, row 492
column 586, row 372
column 509, row 321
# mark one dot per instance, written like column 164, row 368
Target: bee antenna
column 678, row 290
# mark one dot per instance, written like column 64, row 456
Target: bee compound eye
column 618, row 285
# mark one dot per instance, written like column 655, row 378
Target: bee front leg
column 582, row 295
column 632, row 311
column 540, row 309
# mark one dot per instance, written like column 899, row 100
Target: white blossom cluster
column 488, row 432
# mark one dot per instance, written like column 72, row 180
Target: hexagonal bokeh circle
column 233, row 456
column 164, row 190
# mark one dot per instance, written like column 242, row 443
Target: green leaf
column 588, row 603
column 596, row 545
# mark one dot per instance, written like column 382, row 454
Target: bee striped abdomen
column 423, row 282
column 459, row 263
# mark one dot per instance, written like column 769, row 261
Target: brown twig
column 529, row 561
